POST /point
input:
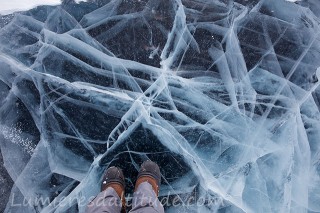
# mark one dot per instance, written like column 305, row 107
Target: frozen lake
column 223, row 95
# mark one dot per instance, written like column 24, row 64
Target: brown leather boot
column 113, row 177
column 149, row 172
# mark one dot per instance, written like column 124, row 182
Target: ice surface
column 223, row 95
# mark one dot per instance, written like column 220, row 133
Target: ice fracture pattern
column 223, row 95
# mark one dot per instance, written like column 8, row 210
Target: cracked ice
column 223, row 95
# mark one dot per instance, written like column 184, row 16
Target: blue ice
column 224, row 95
